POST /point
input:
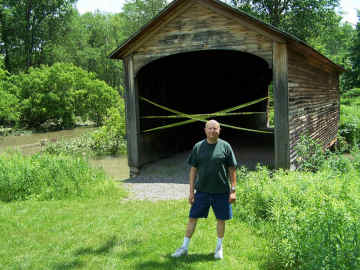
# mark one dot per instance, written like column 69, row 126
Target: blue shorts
column 219, row 203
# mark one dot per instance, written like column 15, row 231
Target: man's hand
column 232, row 197
column 191, row 198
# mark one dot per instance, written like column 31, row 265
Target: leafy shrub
column 310, row 154
column 109, row 139
column 9, row 111
column 337, row 163
column 313, row 217
column 49, row 177
column 350, row 124
column 352, row 93
column 78, row 146
column 60, row 93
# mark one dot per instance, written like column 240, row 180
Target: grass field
column 118, row 234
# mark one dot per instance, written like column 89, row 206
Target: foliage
column 88, row 43
column 137, row 13
column 310, row 154
column 303, row 18
column 334, row 41
column 347, row 96
column 312, row 217
column 59, row 93
column 349, row 126
column 78, row 146
column 354, row 75
column 28, row 27
column 9, row 112
column 109, row 139
column 49, row 177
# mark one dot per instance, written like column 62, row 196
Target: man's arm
column 232, row 173
column 192, row 175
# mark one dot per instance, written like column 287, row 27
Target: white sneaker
column 218, row 253
column 180, row 252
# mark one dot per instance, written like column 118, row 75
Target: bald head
column 212, row 122
column 212, row 131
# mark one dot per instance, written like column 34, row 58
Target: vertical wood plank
column 132, row 117
column 281, row 104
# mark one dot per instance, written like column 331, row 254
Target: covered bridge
column 202, row 56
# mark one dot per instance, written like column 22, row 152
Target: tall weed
column 48, row 177
column 108, row 139
column 313, row 216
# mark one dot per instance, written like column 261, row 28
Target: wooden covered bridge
column 199, row 57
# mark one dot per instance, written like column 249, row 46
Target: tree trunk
column 28, row 35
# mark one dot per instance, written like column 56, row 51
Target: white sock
column 186, row 242
column 219, row 243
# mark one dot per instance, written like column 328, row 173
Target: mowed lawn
column 110, row 233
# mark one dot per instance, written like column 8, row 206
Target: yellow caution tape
column 202, row 117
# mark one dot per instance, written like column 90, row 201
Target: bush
column 310, row 154
column 313, row 217
column 350, row 124
column 109, row 139
column 78, row 146
column 60, row 93
column 48, row 177
column 9, row 111
column 352, row 93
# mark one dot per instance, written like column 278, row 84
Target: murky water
column 31, row 143
column 116, row 167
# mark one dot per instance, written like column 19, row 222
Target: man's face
column 212, row 130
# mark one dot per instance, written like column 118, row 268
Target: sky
column 114, row 6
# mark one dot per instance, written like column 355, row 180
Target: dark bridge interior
column 200, row 83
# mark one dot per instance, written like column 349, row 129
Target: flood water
column 116, row 167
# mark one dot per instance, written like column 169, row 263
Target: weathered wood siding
column 199, row 27
column 313, row 101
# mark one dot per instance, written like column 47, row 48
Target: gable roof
column 265, row 28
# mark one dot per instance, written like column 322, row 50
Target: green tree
column 302, row 18
column 58, row 94
column 9, row 111
column 335, row 42
column 354, row 74
column 137, row 13
column 89, row 42
column 28, row 26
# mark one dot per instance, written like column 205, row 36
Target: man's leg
column 220, row 228
column 190, row 228
column 223, row 211
column 199, row 209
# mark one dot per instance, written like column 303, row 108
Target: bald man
column 212, row 162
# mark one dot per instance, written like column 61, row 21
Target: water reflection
column 116, row 167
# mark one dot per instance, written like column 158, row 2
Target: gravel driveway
column 165, row 179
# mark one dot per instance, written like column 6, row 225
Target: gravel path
column 166, row 179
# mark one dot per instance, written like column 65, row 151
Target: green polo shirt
column 212, row 162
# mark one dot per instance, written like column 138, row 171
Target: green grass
column 50, row 177
column 118, row 234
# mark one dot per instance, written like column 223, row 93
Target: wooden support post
column 132, row 117
column 281, row 105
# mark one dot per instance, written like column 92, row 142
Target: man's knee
column 193, row 220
